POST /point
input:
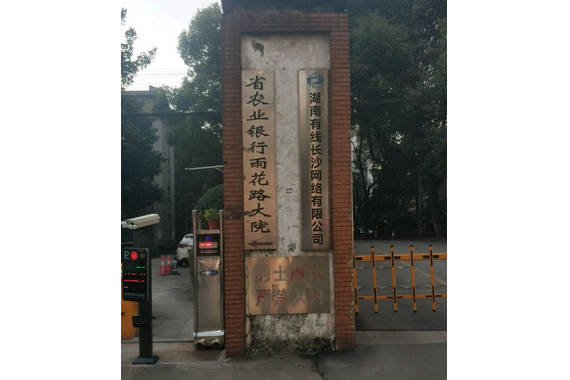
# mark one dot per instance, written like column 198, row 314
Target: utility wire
column 182, row 114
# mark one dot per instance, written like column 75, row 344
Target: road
column 405, row 319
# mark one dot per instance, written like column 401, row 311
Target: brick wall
column 336, row 25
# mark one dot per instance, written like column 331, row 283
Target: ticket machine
column 208, row 284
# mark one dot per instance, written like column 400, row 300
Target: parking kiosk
column 208, row 284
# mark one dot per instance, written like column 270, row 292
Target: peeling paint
column 286, row 55
column 289, row 334
column 257, row 46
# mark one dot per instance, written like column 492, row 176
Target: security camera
column 141, row 221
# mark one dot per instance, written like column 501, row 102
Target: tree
column 140, row 163
column 200, row 48
column 130, row 68
column 398, row 77
column 197, row 134
column 398, row 71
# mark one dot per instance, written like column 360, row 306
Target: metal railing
column 392, row 257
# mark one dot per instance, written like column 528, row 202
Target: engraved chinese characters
column 313, row 146
column 288, row 285
column 258, row 130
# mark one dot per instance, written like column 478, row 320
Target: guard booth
column 208, row 285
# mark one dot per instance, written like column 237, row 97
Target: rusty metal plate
column 314, row 156
column 259, row 178
column 288, row 285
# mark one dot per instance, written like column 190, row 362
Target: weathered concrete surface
column 395, row 355
column 286, row 55
column 273, row 334
column 389, row 355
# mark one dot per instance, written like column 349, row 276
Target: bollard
column 174, row 267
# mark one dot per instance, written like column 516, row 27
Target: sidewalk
column 378, row 355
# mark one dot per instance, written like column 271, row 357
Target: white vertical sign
column 314, row 155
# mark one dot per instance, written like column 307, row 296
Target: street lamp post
column 217, row 167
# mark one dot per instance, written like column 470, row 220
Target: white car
column 187, row 243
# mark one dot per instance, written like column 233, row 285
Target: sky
column 158, row 23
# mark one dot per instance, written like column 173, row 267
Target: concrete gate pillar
column 287, row 176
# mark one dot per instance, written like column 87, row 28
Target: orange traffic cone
column 162, row 266
column 168, row 269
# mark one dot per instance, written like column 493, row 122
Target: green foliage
column 212, row 214
column 200, row 48
column 140, row 163
column 197, row 137
column 212, row 199
column 399, row 98
column 200, row 45
column 130, row 68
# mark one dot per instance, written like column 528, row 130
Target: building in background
column 162, row 234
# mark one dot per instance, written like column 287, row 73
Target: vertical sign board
column 313, row 148
column 135, row 280
column 288, row 285
column 259, row 186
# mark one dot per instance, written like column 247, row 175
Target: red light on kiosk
column 205, row 244
column 134, row 255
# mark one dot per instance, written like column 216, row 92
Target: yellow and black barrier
column 392, row 257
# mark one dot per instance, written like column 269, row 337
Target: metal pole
column 196, row 221
column 217, row 167
column 146, row 355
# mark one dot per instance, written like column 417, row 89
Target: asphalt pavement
column 378, row 355
column 384, row 352
column 404, row 319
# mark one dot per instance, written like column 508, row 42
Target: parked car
column 186, row 244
